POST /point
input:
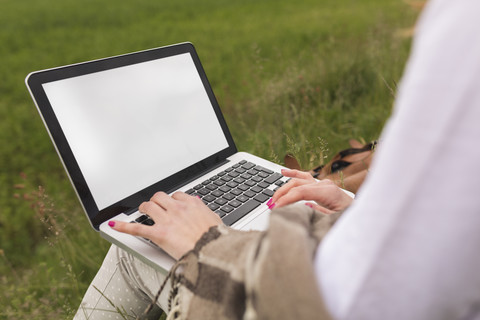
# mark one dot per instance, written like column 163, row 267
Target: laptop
column 128, row 126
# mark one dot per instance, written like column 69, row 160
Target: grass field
column 291, row 76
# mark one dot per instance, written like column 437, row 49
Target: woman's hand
column 180, row 221
column 327, row 195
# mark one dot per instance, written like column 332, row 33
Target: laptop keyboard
column 235, row 191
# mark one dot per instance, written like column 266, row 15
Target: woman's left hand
column 327, row 197
column 180, row 221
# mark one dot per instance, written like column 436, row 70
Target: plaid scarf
column 233, row 274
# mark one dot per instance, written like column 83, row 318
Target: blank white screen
column 133, row 126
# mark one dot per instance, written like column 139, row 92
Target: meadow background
column 297, row 77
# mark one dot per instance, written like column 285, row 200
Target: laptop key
column 209, row 198
column 219, row 182
column 220, row 201
column 213, row 206
column 250, row 183
column 268, row 192
column 260, row 168
column 236, row 192
column 274, row 177
column 239, row 180
column 249, row 194
column 232, row 184
column 149, row 222
column 240, row 212
column 256, row 189
column 240, row 170
column 226, row 178
column 233, row 174
column 235, row 203
column 217, row 193
column 211, row 187
column 228, row 196
column 203, row 191
column 263, row 174
column 141, row 218
column 261, row 197
column 246, row 176
column 257, row 179
column 225, row 189
column 243, row 187
column 242, row 198
column 263, row 185
column 248, row 165
column 227, row 208
column 220, row 213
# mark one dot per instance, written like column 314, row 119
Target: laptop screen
column 128, row 126
column 132, row 126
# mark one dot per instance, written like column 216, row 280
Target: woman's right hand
column 327, row 196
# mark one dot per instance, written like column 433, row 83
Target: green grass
column 291, row 76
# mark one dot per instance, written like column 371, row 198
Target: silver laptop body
column 128, row 126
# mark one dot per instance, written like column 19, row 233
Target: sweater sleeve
column 233, row 274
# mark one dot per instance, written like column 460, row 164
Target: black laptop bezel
column 35, row 81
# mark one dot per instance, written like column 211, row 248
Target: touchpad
column 260, row 222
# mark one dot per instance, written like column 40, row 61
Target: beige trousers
column 123, row 289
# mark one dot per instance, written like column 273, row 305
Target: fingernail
column 198, row 197
column 111, row 223
column 309, row 205
column 271, row 206
column 269, row 202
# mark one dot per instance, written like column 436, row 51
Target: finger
column 297, row 174
column 303, row 192
column 286, row 188
column 318, row 207
column 182, row 196
column 188, row 200
column 134, row 229
column 163, row 200
column 152, row 209
column 141, row 207
column 186, row 203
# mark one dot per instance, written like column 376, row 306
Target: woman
column 407, row 248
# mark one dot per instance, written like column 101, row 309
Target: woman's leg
column 122, row 289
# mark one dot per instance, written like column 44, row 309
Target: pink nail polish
column 271, row 206
column 111, row 223
column 269, row 203
column 309, row 205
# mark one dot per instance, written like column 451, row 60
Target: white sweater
column 409, row 247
